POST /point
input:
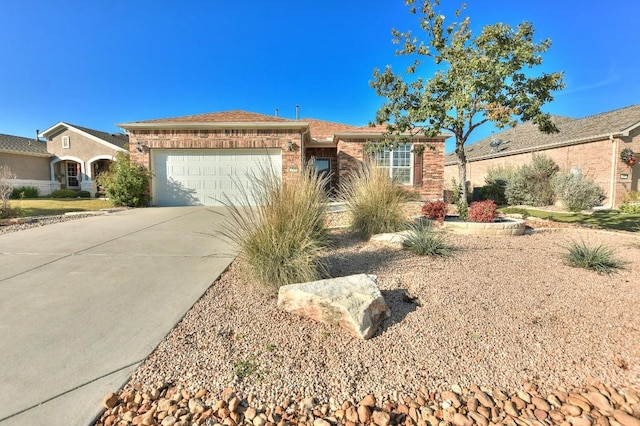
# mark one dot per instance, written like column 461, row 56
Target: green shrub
column 434, row 210
column 577, row 192
column 629, row 208
column 496, row 182
column 280, row 227
column 456, row 195
column 630, row 202
column 531, row 183
column 84, row 194
column 375, row 204
column 64, row 193
column 482, row 211
column 599, row 258
column 25, row 192
column 424, row 240
column 126, row 182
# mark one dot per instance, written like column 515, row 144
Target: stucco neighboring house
column 28, row 160
column 79, row 154
column 591, row 145
column 196, row 159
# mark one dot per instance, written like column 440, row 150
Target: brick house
column 196, row 159
column 591, row 145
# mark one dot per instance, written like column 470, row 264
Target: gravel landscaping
column 502, row 332
column 500, row 313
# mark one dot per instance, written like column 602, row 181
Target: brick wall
column 594, row 159
column 225, row 139
column 351, row 153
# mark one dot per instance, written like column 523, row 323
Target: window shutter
column 417, row 169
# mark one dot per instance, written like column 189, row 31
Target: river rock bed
column 169, row 405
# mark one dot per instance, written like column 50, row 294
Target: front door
column 323, row 169
column 72, row 175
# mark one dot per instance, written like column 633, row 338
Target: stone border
column 505, row 226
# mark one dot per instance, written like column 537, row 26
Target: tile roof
column 20, row 145
column 526, row 137
column 322, row 130
column 235, row 116
column 117, row 139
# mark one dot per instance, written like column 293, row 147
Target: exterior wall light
column 290, row 146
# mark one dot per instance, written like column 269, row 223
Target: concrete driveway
column 84, row 302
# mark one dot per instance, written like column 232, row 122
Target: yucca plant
column 374, row 202
column 425, row 240
column 599, row 258
column 279, row 226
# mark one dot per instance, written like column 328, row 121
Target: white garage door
column 190, row 177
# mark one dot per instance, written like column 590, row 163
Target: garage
column 190, row 177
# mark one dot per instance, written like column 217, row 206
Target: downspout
column 612, row 189
column 302, row 164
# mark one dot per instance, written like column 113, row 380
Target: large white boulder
column 354, row 302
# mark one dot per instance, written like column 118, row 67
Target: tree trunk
column 462, row 172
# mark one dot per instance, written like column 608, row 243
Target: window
column 65, row 142
column 397, row 161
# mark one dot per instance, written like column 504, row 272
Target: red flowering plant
column 482, row 211
column 436, row 210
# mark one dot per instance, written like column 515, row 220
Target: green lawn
column 605, row 219
column 54, row 206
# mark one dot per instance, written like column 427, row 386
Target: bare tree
column 6, row 187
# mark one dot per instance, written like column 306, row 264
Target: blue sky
column 98, row 63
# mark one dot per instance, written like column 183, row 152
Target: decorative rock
column 196, row 406
column 599, row 401
column 472, row 404
column 625, row 419
column 169, row 421
column 540, row 403
column 579, row 401
column 484, row 399
column 540, row 414
column 583, row 420
column 456, row 389
column 234, row 403
column 381, row 418
column 461, row 420
column 452, row 397
column 364, row 414
column 556, row 416
column 554, row 401
column 570, row 410
column 369, row 401
column 250, row 414
column 321, row 422
column 110, row 401
column 510, row 408
column 524, row 396
column 519, row 403
column 351, row 414
column 479, row 418
column 353, row 302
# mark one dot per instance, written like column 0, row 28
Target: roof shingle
column 526, row 136
column 20, row 145
column 235, row 116
column 118, row 139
